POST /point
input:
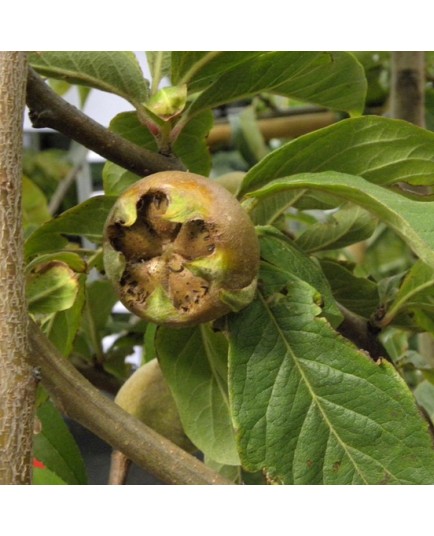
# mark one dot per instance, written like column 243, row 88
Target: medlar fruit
column 147, row 396
column 181, row 250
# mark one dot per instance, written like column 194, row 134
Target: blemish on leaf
column 336, row 467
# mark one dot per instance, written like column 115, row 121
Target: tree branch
column 362, row 334
column 81, row 401
column 48, row 110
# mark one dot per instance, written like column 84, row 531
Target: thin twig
column 119, row 468
column 48, row 110
column 81, row 401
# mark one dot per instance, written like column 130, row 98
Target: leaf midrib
column 315, row 398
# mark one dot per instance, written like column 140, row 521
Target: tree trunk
column 407, row 94
column 17, row 386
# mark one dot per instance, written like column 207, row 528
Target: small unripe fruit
column 146, row 395
column 181, row 250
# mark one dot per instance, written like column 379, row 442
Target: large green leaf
column 308, row 74
column 381, row 150
column 337, row 82
column 412, row 220
column 114, row 72
column 55, row 447
column 193, row 361
column 86, row 219
column 200, row 69
column 284, row 260
column 347, row 226
column 309, row 408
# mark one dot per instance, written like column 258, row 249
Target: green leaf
column 160, row 64
column 348, row 225
column 46, row 168
column 269, row 210
column 381, row 150
column 335, row 80
column 200, row 69
column 45, row 477
column 127, row 125
column 309, row 408
column 116, row 179
column 285, row 260
column 230, row 472
column 86, row 219
column 410, row 219
column 35, row 207
column 149, row 351
column 416, row 290
column 73, row 260
column 424, row 394
column 55, row 447
column 190, row 146
column 115, row 357
column 301, row 74
column 386, row 255
column 51, row 287
column 247, row 136
column 61, row 88
column 193, row 361
column 357, row 294
column 63, row 327
column 114, row 72
column 101, row 298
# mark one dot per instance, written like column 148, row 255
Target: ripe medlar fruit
column 181, row 250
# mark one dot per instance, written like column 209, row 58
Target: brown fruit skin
column 191, row 236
